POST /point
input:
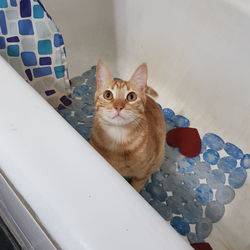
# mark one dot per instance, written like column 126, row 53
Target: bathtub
column 64, row 194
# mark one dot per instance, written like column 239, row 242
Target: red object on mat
column 201, row 246
column 186, row 139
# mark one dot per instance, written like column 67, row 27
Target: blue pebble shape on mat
column 233, row 151
column 157, row 177
column 204, row 227
column 180, row 225
column 214, row 211
column 181, row 121
column 203, row 194
column 156, row 191
column 216, row 179
column 213, row 141
column 227, row 164
column 203, row 147
column 71, row 120
column 172, row 181
column 225, row 194
column 245, row 161
column 194, row 238
column 192, row 212
column 191, row 180
column 186, row 165
column 237, row 177
column 168, row 114
column 202, row 169
column 211, row 156
column 168, row 167
column 184, row 194
column 175, row 204
column 146, row 195
column 77, row 81
column 88, row 110
column 164, row 211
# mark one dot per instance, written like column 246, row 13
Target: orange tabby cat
column 129, row 128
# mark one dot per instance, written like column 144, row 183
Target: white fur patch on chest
column 117, row 134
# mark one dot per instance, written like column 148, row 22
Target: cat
column 129, row 129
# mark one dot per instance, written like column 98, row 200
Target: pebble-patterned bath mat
column 191, row 193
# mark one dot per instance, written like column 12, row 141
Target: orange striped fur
column 129, row 134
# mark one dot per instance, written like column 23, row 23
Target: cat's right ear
column 103, row 74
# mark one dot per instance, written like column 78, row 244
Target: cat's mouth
column 117, row 116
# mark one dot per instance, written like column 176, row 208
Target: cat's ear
column 103, row 74
column 140, row 77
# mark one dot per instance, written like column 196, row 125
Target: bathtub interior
column 190, row 193
column 197, row 54
column 197, row 57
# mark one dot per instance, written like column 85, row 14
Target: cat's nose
column 118, row 108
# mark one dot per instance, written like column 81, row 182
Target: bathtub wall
column 197, row 52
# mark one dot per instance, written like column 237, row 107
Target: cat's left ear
column 140, row 77
column 103, row 74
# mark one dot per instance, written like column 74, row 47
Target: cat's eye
column 131, row 97
column 108, row 95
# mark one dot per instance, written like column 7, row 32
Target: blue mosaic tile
column 25, row 27
column 59, row 71
column 3, row 25
column 38, row 11
column 45, row 61
column 29, row 58
column 2, row 43
column 185, row 191
column 13, row 3
column 13, row 39
column 50, row 92
column 58, row 40
column 25, row 8
column 43, row 71
column 13, row 50
column 3, row 4
column 44, row 47
column 29, row 74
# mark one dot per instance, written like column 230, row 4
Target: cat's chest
column 117, row 135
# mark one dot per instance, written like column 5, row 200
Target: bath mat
column 190, row 193
column 32, row 44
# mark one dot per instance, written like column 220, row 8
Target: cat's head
column 120, row 102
